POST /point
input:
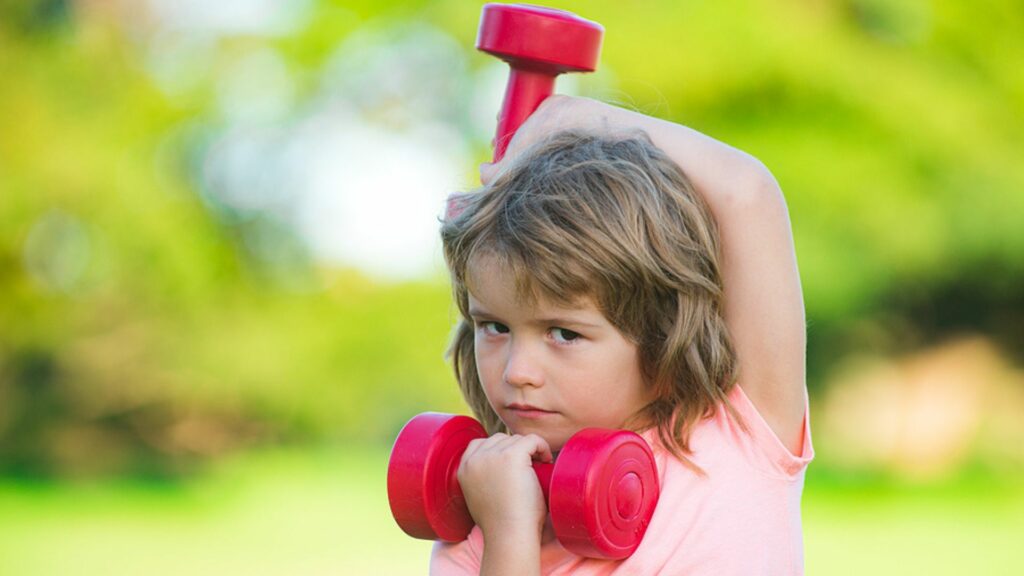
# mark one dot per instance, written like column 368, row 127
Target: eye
column 492, row 328
column 563, row 336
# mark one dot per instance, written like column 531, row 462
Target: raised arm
column 763, row 302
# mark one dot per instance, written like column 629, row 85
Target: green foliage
column 141, row 332
column 140, row 335
column 894, row 130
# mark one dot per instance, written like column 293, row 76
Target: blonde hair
column 611, row 218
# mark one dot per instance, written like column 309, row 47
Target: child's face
column 570, row 365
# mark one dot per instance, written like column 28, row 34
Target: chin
column 555, row 440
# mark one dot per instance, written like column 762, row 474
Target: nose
column 523, row 367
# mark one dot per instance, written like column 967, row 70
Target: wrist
column 519, row 532
column 510, row 553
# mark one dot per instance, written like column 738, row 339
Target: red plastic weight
column 604, row 490
column 601, row 490
column 539, row 44
column 423, row 490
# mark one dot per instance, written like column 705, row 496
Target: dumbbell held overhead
column 539, row 44
column 601, row 490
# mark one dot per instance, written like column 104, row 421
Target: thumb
column 488, row 170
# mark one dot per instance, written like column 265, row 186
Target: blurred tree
column 144, row 327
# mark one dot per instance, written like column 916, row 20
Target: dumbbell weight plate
column 423, row 491
column 604, row 489
column 546, row 39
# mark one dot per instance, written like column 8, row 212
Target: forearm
column 720, row 173
column 508, row 554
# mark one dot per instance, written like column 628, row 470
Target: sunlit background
column 221, row 289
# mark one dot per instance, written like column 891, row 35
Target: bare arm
column 510, row 555
column 764, row 306
column 763, row 302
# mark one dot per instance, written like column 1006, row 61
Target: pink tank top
column 742, row 518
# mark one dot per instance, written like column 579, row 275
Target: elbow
column 755, row 187
column 762, row 180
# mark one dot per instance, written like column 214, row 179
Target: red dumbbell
column 601, row 490
column 538, row 44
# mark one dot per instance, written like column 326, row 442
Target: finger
column 487, row 172
column 485, row 444
column 506, row 442
column 494, row 441
column 538, row 447
column 471, row 448
column 479, row 446
column 554, row 106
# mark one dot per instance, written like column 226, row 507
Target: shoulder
column 729, row 444
column 757, row 439
column 742, row 515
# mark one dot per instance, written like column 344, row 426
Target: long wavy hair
column 614, row 219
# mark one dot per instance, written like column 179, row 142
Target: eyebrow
column 555, row 321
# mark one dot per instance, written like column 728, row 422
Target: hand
column 557, row 112
column 501, row 489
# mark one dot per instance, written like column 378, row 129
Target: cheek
column 620, row 376
column 488, row 361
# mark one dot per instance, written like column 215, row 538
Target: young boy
column 621, row 271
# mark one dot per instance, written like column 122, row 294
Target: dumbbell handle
column 544, row 471
column 525, row 90
column 538, row 43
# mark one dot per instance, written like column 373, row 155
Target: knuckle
column 554, row 100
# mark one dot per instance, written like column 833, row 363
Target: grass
column 970, row 527
column 300, row 513
column 327, row 513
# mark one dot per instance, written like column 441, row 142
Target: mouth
column 528, row 411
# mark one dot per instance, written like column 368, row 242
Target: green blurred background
column 221, row 292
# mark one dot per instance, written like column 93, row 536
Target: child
column 599, row 286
